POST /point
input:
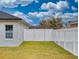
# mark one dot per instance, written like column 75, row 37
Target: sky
column 33, row 11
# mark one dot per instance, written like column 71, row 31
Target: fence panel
column 38, row 34
column 69, row 35
column 28, row 35
column 76, row 48
column 76, row 34
column 66, row 38
column 69, row 46
column 48, row 35
column 59, row 35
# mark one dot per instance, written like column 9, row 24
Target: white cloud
column 42, row 14
column 58, row 14
column 74, row 8
column 55, row 6
column 66, row 15
column 43, row 6
column 8, row 3
column 76, row 1
column 55, row 9
column 33, row 14
column 14, row 3
column 69, row 16
column 62, row 5
column 36, row 1
column 46, row 15
column 34, row 24
column 23, row 16
column 25, row 2
column 50, row 13
column 75, row 14
column 48, row 6
column 39, row 14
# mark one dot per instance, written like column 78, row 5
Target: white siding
column 18, row 33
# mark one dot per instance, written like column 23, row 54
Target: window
column 9, row 31
column 9, row 27
column 9, row 34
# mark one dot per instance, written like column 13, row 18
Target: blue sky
column 33, row 11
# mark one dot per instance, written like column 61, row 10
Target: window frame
column 9, row 31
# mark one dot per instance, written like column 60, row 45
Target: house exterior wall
column 18, row 32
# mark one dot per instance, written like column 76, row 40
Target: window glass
column 9, row 34
column 9, row 27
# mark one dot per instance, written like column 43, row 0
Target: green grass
column 35, row 50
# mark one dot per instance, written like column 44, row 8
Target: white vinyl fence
column 66, row 38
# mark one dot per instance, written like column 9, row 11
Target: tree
column 54, row 23
column 43, row 24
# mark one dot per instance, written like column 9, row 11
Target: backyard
column 35, row 50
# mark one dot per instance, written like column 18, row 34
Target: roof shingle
column 6, row 16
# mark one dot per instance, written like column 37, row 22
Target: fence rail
column 67, row 38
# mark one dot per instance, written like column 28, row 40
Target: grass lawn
column 35, row 50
